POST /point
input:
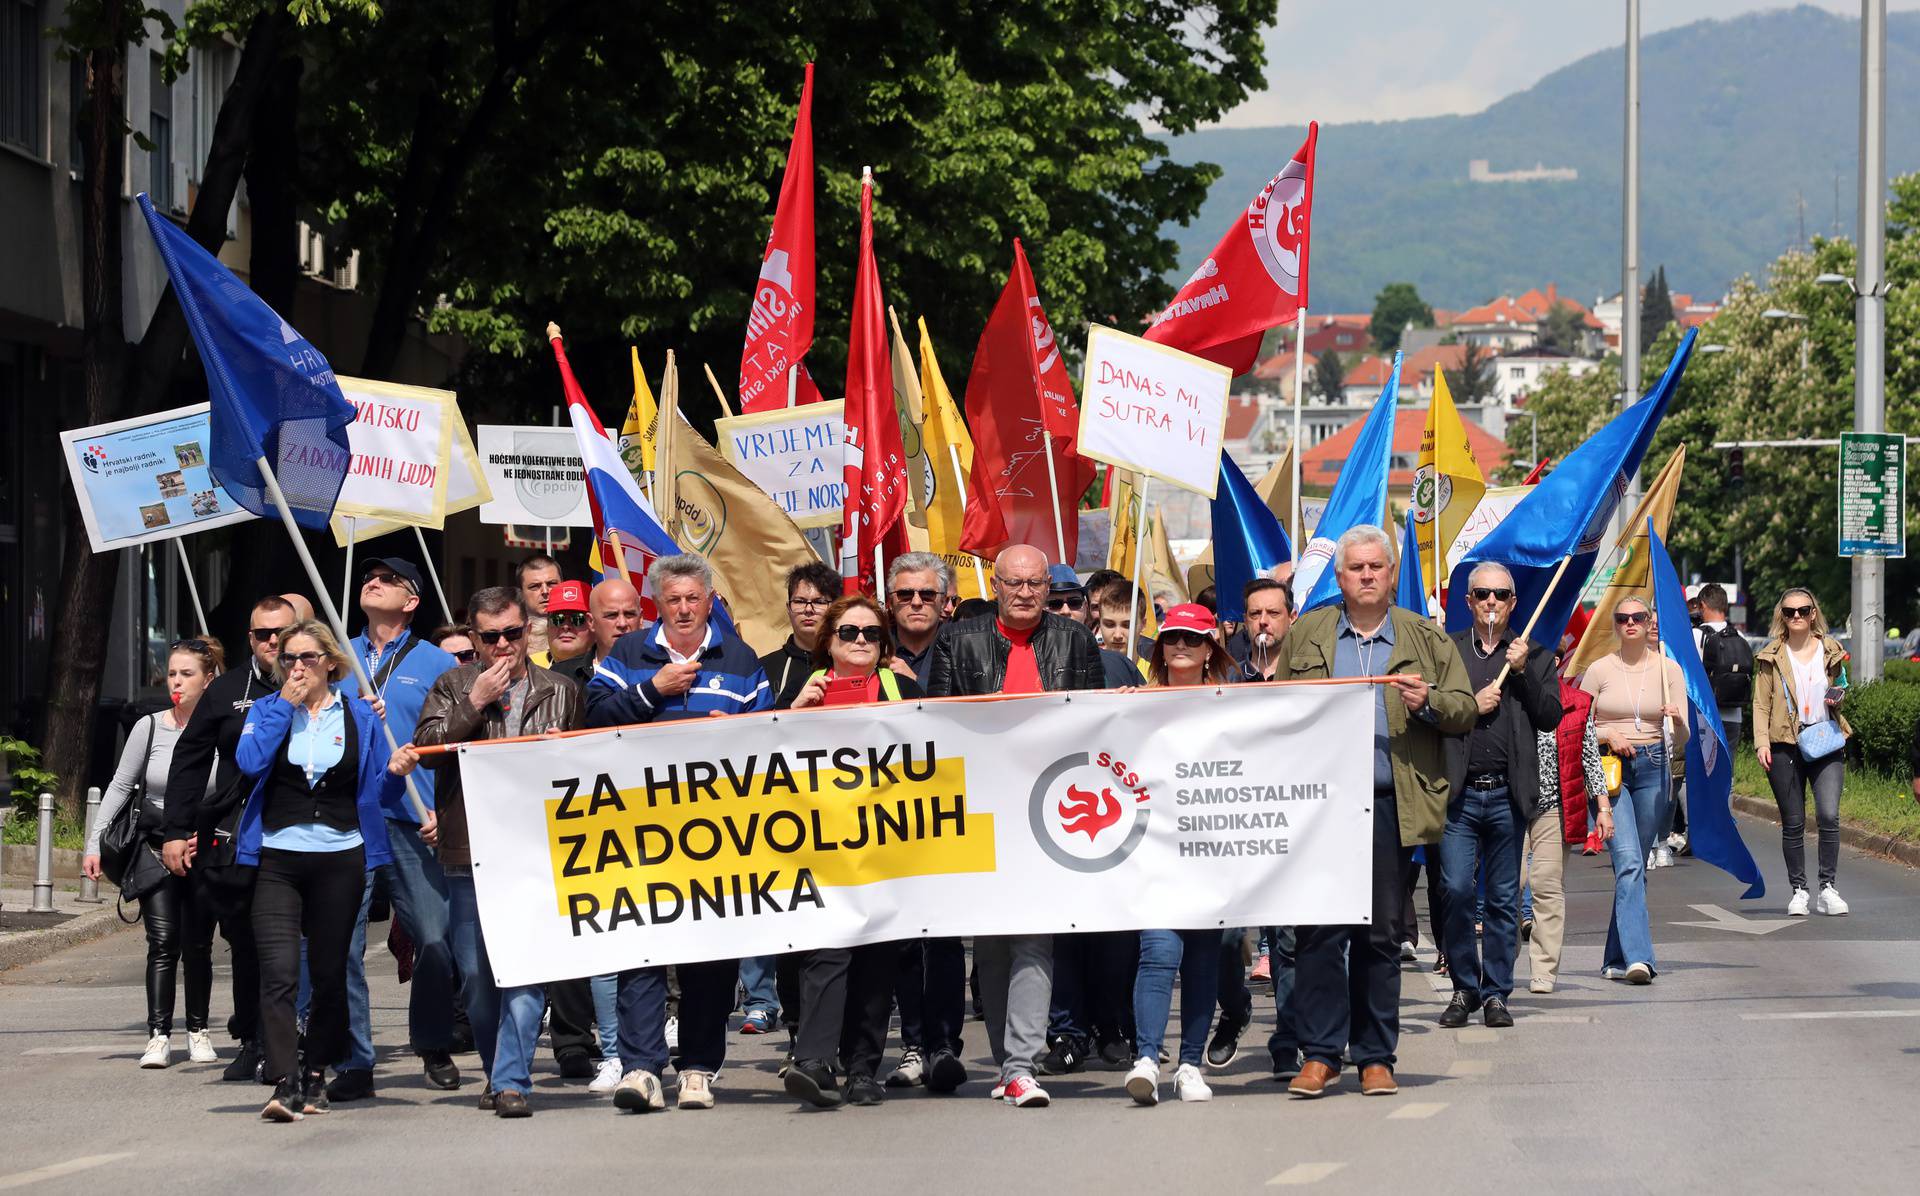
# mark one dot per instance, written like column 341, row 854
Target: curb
column 31, row 946
column 1900, row 851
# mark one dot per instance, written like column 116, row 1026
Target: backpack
column 1729, row 662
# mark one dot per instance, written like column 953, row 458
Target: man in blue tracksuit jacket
column 681, row 667
column 402, row 667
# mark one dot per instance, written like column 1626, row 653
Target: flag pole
column 1539, row 606
column 960, row 488
column 193, row 587
column 726, row 408
column 549, row 527
column 1139, row 554
column 793, row 386
column 1053, row 489
column 346, row 579
column 1299, row 357
column 433, row 571
column 333, row 616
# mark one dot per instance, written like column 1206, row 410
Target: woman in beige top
column 1635, row 690
column 1796, row 677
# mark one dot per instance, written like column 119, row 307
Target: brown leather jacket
column 553, row 704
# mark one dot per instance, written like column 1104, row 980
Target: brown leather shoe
column 1376, row 1079
column 1312, row 1080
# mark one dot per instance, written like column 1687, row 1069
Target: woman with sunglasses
column 1186, row 652
column 179, row 922
column 313, row 827
column 846, row 993
column 1799, row 678
column 456, row 640
column 1638, row 717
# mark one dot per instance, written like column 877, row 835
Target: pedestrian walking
column 1799, row 679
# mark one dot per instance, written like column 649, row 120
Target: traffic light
column 1737, row 466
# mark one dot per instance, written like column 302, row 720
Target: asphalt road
column 1765, row 1062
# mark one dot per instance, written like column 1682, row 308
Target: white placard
column 146, row 478
column 402, row 439
column 1153, row 410
column 796, row 454
column 535, row 476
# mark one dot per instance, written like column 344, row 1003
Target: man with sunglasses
column 401, row 666
column 537, row 576
column 201, row 821
column 1493, row 775
column 569, row 638
column 918, row 585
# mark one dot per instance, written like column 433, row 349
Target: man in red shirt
column 1019, row 649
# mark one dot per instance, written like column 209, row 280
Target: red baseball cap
column 568, row 595
column 1188, row 616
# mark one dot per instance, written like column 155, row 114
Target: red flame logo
column 1085, row 812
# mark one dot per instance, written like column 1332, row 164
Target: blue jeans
column 641, row 1014
column 606, row 1014
column 1195, row 954
column 1236, row 999
column 1636, row 812
column 1481, row 826
column 518, row 1035
column 758, row 979
column 477, row 990
column 417, row 890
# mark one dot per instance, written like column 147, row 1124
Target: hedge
column 1883, row 714
column 1904, row 671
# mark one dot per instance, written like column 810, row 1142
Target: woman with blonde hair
column 1799, row 678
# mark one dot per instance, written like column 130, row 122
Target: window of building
column 20, row 86
column 160, row 132
column 211, row 74
column 1516, row 372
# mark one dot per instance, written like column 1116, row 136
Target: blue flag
column 1359, row 496
column 1711, row 832
column 272, row 393
column 1247, row 539
column 1411, row 594
column 1567, row 514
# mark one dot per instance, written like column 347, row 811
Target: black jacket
column 971, row 659
column 214, row 727
column 1532, row 698
column 787, row 668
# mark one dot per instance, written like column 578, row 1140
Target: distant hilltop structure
column 1478, row 171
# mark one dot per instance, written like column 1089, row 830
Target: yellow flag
column 1447, row 481
column 1125, row 545
column 1631, row 577
column 750, row 542
column 639, row 430
column 1275, row 488
column 1163, row 569
column 949, row 455
column 907, row 404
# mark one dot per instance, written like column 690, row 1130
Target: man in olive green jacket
column 1428, row 700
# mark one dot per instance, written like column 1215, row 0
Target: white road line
column 1560, row 1019
column 1416, row 1111
column 1303, row 1173
column 1474, row 1034
column 98, row 1048
column 1828, row 1015
column 1470, row 1067
column 21, row 1179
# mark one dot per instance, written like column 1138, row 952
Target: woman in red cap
column 1186, row 652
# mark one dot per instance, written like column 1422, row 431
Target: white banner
column 759, row 834
column 1153, row 410
column 796, row 454
column 402, row 440
column 534, row 475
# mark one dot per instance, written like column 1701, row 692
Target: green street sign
column 1873, row 494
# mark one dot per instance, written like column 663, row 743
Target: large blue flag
column 1247, row 539
column 1711, row 832
column 273, row 395
column 1359, row 496
column 1412, row 592
column 1568, row 514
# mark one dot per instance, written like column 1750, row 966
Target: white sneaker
column 639, row 1091
column 1613, row 973
column 1830, row 901
column 159, row 1052
column 606, row 1078
column 1143, row 1082
column 696, row 1090
column 997, row 1092
column 1539, row 984
column 1653, row 861
column 1189, row 1085
column 673, row 1034
column 200, row 1047
column 1677, row 840
column 1798, row 903
column 1663, row 856
column 911, row 1072
column 1639, row 973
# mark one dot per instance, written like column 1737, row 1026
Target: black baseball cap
column 407, row 570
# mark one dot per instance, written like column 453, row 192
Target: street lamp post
column 1869, row 317
column 1630, row 247
column 1777, row 313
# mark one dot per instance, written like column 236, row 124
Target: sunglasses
column 386, row 577
column 289, row 659
column 1072, row 602
column 927, row 596
column 568, row 618
column 466, row 655
column 848, row 633
column 1797, row 612
column 510, row 634
column 1183, row 639
column 262, row 635
column 1628, row 618
column 1482, row 593
column 192, row 645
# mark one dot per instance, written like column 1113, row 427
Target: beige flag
column 1276, row 488
column 1630, row 579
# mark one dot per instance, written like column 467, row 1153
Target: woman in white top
column 1797, row 681
column 178, row 923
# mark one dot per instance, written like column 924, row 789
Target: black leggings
column 315, row 893
column 179, row 927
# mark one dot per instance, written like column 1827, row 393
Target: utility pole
column 1869, row 318
column 1630, row 248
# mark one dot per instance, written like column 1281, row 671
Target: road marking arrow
column 1726, row 919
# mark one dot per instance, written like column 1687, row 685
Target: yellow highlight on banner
column 726, row 846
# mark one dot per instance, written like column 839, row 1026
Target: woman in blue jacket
column 313, row 826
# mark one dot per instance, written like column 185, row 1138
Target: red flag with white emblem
column 780, row 322
column 1256, row 277
column 876, row 463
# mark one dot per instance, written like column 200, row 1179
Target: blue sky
column 1394, row 59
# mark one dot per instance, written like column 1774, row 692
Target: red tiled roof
column 1419, row 366
column 1321, row 464
column 1279, row 367
column 1500, row 310
column 1243, row 411
column 1369, row 371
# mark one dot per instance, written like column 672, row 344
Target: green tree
column 1396, row 306
column 1329, row 377
column 1474, row 381
column 1656, row 307
column 1564, row 329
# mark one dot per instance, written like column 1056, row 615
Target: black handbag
column 125, row 858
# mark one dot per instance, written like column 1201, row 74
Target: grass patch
column 19, row 828
column 1871, row 800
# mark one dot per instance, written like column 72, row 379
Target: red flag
column 1019, row 384
column 876, row 463
column 780, row 323
column 1256, row 277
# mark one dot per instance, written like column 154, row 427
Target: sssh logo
column 1089, row 811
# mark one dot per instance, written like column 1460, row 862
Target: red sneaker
column 1592, row 845
column 1023, row 1093
column 1262, row 971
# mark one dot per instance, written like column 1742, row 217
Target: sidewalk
column 26, row 937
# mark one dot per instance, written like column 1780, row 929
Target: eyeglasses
column 1182, row 639
column 849, row 633
column 568, row 618
column 466, row 655
column 927, row 596
column 386, row 577
column 510, row 634
column 1625, row 618
column 262, row 635
column 193, row 645
column 810, row 603
column 1797, row 612
column 1025, row 583
column 1482, row 593
column 289, row 659
column 1070, row 602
